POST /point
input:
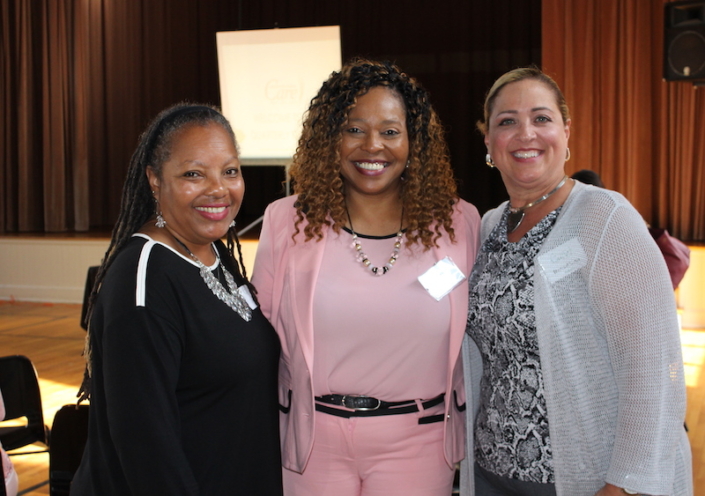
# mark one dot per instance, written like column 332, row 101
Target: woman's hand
column 610, row 490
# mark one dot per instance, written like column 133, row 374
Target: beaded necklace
column 362, row 257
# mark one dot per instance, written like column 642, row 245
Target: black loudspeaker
column 684, row 41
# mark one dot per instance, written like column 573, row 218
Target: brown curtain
column 82, row 78
column 44, row 167
column 643, row 135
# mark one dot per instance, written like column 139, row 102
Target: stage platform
column 52, row 268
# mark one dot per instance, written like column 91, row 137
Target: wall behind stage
column 119, row 63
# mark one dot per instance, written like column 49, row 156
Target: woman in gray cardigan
column 581, row 390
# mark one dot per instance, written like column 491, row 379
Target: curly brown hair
column 429, row 190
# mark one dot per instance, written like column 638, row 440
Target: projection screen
column 267, row 80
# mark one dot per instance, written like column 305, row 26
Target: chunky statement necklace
column 362, row 258
column 516, row 215
column 233, row 298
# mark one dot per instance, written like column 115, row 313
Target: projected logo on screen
column 281, row 90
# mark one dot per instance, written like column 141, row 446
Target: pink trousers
column 373, row 456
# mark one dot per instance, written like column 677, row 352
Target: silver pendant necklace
column 233, row 298
column 362, row 257
column 516, row 215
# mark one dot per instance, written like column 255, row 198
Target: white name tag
column 245, row 293
column 562, row 260
column 442, row 278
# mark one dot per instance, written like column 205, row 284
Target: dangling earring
column 232, row 224
column 567, row 154
column 488, row 160
column 160, row 219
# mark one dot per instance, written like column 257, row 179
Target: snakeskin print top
column 511, row 432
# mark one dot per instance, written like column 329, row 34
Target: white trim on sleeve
column 141, row 287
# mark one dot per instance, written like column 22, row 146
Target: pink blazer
column 285, row 276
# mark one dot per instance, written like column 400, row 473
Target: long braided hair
column 429, row 192
column 138, row 205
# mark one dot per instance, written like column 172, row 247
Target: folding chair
column 20, row 390
column 68, row 439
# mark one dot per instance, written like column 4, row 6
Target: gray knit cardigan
column 610, row 352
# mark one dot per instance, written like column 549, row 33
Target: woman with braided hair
column 362, row 274
column 182, row 365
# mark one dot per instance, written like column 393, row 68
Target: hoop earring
column 567, row 154
column 488, row 160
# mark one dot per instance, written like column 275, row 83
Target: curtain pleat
column 8, row 124
column 80, row 129
column 643, row 135
column 54, row 116
column 29, row 175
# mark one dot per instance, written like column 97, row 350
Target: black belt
column 366, row 406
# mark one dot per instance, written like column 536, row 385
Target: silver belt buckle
column 345, row 397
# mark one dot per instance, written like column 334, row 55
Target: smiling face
column 375, row 144
column 527, row 137
column 200, row 187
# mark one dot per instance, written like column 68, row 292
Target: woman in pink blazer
column 363, row 275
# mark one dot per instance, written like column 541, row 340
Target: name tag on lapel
column 442, row 278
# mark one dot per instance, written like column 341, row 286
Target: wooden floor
column 50, row 335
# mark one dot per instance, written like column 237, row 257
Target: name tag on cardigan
column 442, row 278
column 562, row 260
